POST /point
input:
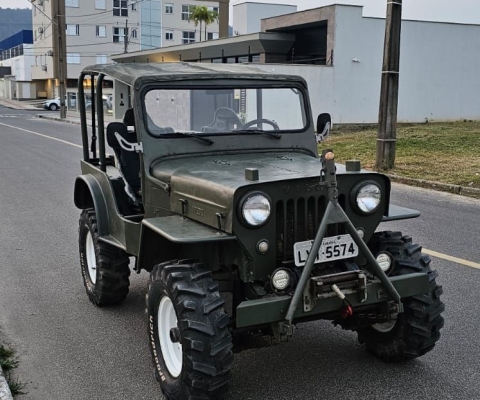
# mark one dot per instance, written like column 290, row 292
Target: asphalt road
column 71, row 350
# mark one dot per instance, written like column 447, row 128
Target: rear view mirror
column 324, row 125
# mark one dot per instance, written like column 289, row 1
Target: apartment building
column 95, row 29
column 167, row 23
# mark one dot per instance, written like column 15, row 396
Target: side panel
column 95, row 189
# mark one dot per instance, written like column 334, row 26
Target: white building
column 19, row 57
column 339, row 52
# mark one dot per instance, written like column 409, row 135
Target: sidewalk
column 73, row 117
column 18, row 105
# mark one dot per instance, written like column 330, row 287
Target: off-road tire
column 203, row 325
column 417, row 329
column 112, row 272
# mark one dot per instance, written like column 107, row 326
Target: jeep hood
column 206, row 185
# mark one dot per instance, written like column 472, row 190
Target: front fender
column 88, row 194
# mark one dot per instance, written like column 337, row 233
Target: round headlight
column 368, row 198
column 256, row 209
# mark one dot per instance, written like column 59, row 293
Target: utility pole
column 387, row 116
column 60, row 51
column 126, row 37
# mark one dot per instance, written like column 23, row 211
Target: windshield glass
column 219, row 111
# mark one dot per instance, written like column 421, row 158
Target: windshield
column 220, row 111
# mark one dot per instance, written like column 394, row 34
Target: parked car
column 53, row 104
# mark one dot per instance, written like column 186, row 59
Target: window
column 133, row 6
column 211, row 8
column 118, row 35
column 101, row 31
column 134, row 33
column 168, row 35
column 102, row 59
column 188, row 37
column 212, row 35
column 100, row 4
column 187, row 12
column 120, row 8
column 168, row 8
column 73, row 30
column 73, row 58
column 71, row 3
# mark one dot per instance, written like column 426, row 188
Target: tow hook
column 347, row 311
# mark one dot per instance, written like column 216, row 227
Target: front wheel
column 188, row 332
column 417, row 329
column 53, row 107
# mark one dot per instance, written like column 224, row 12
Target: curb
column 5, row 393
column 444, row 187
column 68, row 121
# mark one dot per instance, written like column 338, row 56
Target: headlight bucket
column 366, row 197
column 255, row 209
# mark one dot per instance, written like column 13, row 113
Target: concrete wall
column 439, row 69
column 247, row 16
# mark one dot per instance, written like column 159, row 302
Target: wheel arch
column 88, row 194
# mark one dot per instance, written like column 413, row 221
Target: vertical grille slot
column 297, row 220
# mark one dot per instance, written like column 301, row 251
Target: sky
column 462, row 11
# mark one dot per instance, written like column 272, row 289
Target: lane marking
column 42, row 135
column 457, row 260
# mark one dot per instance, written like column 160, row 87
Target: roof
column 136, row 74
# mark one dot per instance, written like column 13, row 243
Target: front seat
column 129, row 161
column 225, row 119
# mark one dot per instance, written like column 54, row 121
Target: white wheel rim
column 172, row 352
column 91, row 259
column 384, row 327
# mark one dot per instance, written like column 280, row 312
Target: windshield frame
column 222, row 84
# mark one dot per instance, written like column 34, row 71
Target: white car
column 53, row 104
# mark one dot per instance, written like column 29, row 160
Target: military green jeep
column 217, row 190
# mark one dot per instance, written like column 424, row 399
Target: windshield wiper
column 268, row 133
column 196, row 136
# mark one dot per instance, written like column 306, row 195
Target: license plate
column 332, row 248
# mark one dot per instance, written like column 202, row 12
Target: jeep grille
column 298, row 220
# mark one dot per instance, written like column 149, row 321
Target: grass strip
column 442, row 152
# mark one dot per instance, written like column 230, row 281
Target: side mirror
column 324, row 125
column 114, row 128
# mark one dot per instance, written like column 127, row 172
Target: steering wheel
column 260, row 121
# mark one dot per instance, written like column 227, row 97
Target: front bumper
column 274, row 309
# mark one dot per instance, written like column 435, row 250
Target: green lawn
column 443, row 152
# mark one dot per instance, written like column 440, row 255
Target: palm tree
column 199, row 15
column 211, row 18
column 202, row 15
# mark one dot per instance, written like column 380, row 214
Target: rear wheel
column 104, row 267
column 417, row 329
column 188, row 332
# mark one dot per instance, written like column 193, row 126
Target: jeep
column 217, row 189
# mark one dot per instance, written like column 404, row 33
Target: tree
column 199, row 15
column 202, row 15
column 212, row 17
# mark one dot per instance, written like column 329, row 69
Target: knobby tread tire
column 418, row 328
column 113, row 272
column 203, row 324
